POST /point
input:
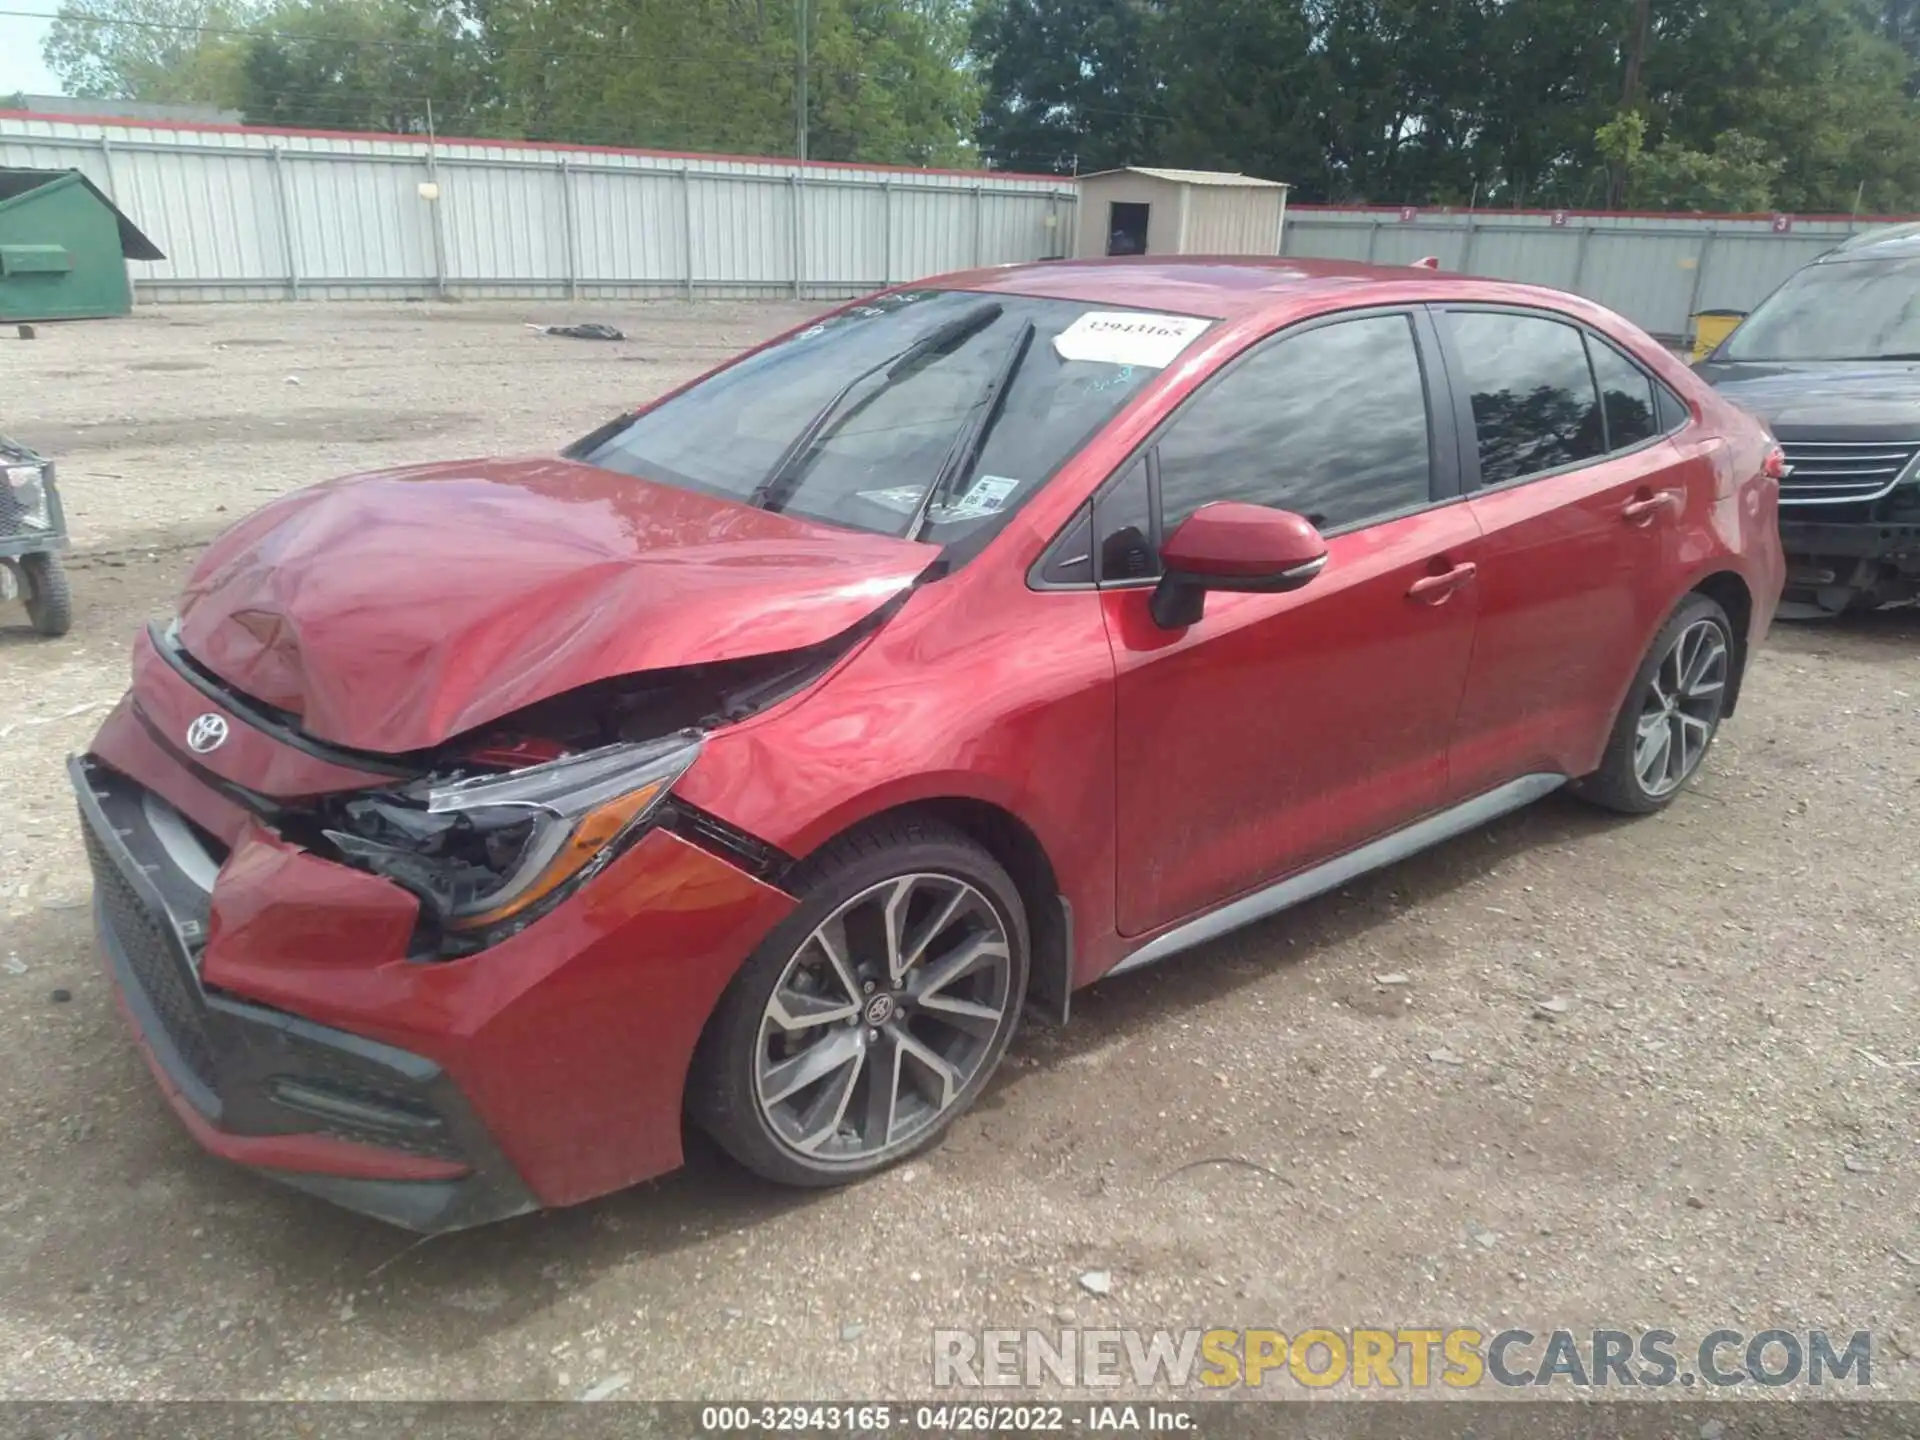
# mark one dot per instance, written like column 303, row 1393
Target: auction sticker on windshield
column 1119, row 337
column 985, row 497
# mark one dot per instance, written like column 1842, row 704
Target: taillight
column 1775, row 466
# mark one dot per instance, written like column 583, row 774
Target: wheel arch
column 1012, row 842
column 1018, row 848
column 1730, row 591
column 1727, row 588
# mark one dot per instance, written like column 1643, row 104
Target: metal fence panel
column 259, row 214
column 1658, row 270
column 354, row 222
column 841, row 235
column 743, row 233
column 628, row 229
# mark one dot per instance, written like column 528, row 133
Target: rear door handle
column 1643, row 512
column 1434, row 589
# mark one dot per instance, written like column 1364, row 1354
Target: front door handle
column 1647, row 510
column 1435, row 589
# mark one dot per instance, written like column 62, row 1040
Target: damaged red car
column 757, row 760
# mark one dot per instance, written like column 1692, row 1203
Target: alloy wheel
column 1682, row 709
column 883, row 1018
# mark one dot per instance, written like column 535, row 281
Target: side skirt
column 1330, row 874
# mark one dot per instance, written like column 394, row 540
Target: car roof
column 1892, row 242
column 1230, row 287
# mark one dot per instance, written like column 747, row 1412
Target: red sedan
column 757, row 758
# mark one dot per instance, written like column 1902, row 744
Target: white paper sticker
column 1121, row 337
column 984, row 497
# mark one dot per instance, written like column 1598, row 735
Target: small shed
column 1142, row 210
column 64, row 248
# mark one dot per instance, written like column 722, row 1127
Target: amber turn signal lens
column 597, row 829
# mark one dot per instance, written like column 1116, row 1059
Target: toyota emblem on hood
column 209, row 732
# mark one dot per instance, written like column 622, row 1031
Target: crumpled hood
column 393, row 610
column 1858, row 400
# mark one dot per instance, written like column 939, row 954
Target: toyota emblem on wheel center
column 209, row 732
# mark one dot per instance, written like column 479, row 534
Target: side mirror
column 1230, row 545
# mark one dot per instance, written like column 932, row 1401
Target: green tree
column 1070, row 84
column 367, row 65
column 1808, row 79
column 1261, row 111
column 1899, row 21
column 1739, row 174
column 886, row 81
column 694, row 74
column 174, row 51
column 1804, row 102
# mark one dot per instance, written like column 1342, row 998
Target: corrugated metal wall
column 1658, row 270
column 1234, row 219
column 261, row 215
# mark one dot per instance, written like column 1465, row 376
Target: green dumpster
column 64, row 248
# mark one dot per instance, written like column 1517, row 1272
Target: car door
column 1578, row 503
column 1283, row 729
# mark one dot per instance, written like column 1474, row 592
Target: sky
column 20, row 64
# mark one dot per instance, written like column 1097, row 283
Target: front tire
column 873, row 1016
column 1671, row 715
column 49, row 601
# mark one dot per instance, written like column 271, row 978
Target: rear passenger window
column 1626, row 395
column 1673, row 410
column 1330, row 423
column 1534, row 403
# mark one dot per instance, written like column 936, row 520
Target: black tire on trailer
column 49, row 601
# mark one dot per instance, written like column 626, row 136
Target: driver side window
column 1330, row 423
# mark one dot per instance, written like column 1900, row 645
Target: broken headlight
column 497, row 848
column 27, row 492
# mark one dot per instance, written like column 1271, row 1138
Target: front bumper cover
column 555, row 1061
column 364, row 1124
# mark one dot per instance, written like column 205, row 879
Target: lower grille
column 157, row 965
column 356, row 1099
column 257, row 1070
column 1828, row 472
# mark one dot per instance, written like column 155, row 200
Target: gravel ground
column 1713, row 1125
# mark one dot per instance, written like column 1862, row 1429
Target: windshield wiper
column 777, row 487
column 972, row 438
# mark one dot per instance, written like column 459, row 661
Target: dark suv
column 1831, row 360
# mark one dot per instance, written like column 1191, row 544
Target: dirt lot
column 1716, row 1130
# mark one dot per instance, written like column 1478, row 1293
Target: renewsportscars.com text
column 1458, row 1358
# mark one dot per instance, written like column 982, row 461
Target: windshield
column 1850, row 310
column 852, row 420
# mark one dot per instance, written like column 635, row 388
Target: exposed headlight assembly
column 498, row 849
column 27, row 487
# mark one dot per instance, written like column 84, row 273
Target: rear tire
column 49, row 601
column 873, row 1016
column 1671, row 714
